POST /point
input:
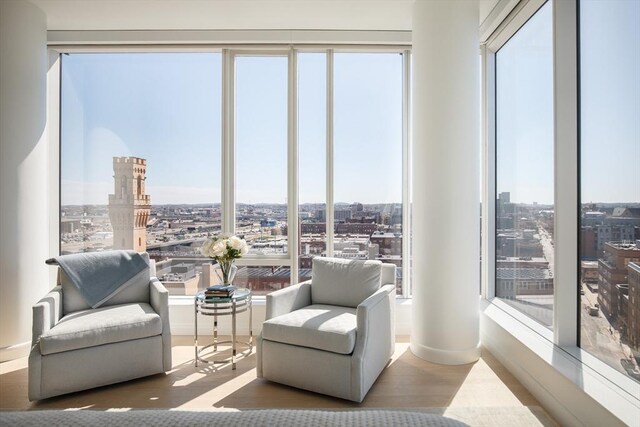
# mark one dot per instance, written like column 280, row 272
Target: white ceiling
column 227, row 14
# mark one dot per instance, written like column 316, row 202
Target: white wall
column 24, row 160
column 227, row 14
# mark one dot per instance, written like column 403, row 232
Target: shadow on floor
column 407, row 382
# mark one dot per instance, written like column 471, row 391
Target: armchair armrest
column 375, row 313
column 159, row 300
column 288, row 299
column 375, row 339
column 46, row 313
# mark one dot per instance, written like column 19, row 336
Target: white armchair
column 333, row 334
column 76, row 347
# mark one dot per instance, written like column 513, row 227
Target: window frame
column 503, row 34
column 228, row 162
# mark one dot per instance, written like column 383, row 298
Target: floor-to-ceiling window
column 161, row 150
column 261, row 167
column 524, row 169
column 312, row 159
column 261, row 152
column 562, row 97
column 610, row 183
column 141, row 157
column 368, row 157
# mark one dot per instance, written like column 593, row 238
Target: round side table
column 238, row 303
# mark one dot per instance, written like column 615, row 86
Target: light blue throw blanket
column 100, row 275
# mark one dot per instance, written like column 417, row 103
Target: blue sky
column 162, row 107
column 524, row 101
column 261, row 129
column 166, row 108
column 610, row 76
column 610, row 106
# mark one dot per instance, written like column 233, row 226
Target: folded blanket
column 100, row 275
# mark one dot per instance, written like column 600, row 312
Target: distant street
column 597, row 335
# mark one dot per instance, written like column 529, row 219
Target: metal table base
column 239, row 303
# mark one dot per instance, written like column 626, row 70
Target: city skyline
column 348, row 203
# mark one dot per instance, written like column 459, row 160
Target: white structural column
column 24, row 171
column 446, row 195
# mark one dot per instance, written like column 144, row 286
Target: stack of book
column 219, row 291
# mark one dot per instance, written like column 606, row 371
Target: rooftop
column 625, row 245
column 589, row 264
column 523, row 274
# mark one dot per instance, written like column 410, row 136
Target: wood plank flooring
column 408, row 382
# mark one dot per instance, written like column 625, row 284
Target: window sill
column 616, row 393
column 519, row 316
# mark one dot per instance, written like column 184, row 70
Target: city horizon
column 335, row 203
column 241, row 203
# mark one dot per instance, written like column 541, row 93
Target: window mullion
column 566, row 174
column 228, row 141
column 406, row 173
column 329, row 175
column 294, row 217
column 489, row 173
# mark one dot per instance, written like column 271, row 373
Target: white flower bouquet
column 225, row 249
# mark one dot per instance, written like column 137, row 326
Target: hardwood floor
column 408, row 382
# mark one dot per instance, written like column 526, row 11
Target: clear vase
column 230, row 269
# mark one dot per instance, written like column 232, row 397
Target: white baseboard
column 15, row 351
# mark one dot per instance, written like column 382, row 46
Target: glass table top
column 239, row 294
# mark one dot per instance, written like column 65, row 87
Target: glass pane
column 132, row 126
column 610, row 182
column 524, row 168
column 312, row 154
column 261, row 153
column 263, row 279
column 368, row 157
column 185, row 276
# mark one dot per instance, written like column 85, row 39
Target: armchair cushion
column 343, row 282
column 323, row 327
column 93, row 327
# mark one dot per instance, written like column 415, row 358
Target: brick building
column 388, row 243
column 612, row 271
column 633, row 310
column 588, row 243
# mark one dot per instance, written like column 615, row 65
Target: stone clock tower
column 129, row 206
